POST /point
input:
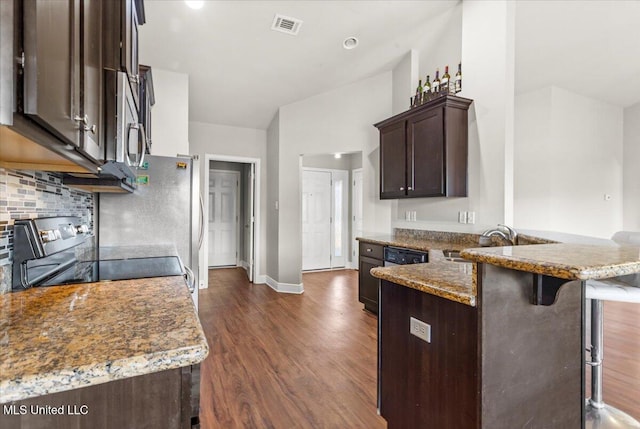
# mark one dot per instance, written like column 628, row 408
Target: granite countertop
column 424, row 240
column 60, row 338
column 440, row 277
column 582, row 259
column 565, row 261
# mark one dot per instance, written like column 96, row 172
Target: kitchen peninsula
column 505, row 343
column 122, row 350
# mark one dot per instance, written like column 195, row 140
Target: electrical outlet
column 420, row 329
column 471, row 217
column 413, row 216
column 607, row 197
column 407, row 215
column 462, row 217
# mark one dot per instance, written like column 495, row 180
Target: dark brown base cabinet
column 427, row 385
column 371, row 256
column 423, row 151
column 504, row 364
column 161, row 400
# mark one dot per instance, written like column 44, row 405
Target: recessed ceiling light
column 195, row 4
column 350, row 42
column 337, row 155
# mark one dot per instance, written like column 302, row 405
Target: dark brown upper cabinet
column 423, row 151
column 56, row 82
column 122, row 19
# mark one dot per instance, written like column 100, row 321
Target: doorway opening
column 328, row 206
column 231, row 189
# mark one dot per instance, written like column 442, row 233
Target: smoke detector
column 286, row 24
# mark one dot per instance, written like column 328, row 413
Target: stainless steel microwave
column 126, row 141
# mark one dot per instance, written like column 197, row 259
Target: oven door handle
column 24, row 280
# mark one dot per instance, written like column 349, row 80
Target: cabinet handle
column 410, row 188
column 402, row 188
column 369, row 249
column 84, row 119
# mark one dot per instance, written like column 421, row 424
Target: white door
column 250, row 220
column 223, row 218
column 316, row 220
column 340, row 224
column 356, row 210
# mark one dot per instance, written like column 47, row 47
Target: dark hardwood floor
column 309, row 361
column 621, row 380
column 287, row 361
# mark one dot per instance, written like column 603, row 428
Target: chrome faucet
column 507, row 233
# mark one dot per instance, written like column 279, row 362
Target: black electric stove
column 45, row 254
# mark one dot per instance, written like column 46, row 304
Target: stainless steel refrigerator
column 165, row 211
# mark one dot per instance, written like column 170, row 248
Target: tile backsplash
column 29, row 194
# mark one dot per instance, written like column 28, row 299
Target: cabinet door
column 130, row 45
column 393, row 182
column 368, row 285
column 51, row 80
column 425, row 154
column 92, row 81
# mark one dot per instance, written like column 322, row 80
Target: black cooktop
column 70, row 272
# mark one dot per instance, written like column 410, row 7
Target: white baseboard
column 284, row 287
column 260, row 279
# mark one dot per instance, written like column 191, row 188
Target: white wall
column 631, row 163
column 482, row 34
column 340, row 120
column 211, row 139
column 405, row 81
column 170, row 114
column 568, row 155
column 273, row 196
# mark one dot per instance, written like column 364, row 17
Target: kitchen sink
column 453, row 256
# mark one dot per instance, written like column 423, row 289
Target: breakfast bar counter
column 498, row 342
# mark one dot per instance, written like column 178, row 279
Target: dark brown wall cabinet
column 371, row 256
column 52, row 79
column 56, row 82
column 123, row 17
column 423, row 151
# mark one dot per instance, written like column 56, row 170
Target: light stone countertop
column 565, row 261
column 60, row 338
column 457, row 281
column 451, row 280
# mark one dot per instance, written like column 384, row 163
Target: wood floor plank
column 309, row 361
column 288, row 361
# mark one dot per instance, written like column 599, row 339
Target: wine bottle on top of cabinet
column 444, row 82
column 458, row 79
column 435, row 86
column 419, row 90
column 426, row 90
column 427, row 85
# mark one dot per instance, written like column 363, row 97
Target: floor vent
column 286, row 24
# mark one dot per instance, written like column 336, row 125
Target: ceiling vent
column 286, row 24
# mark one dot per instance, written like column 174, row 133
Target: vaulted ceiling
column 240, row 71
